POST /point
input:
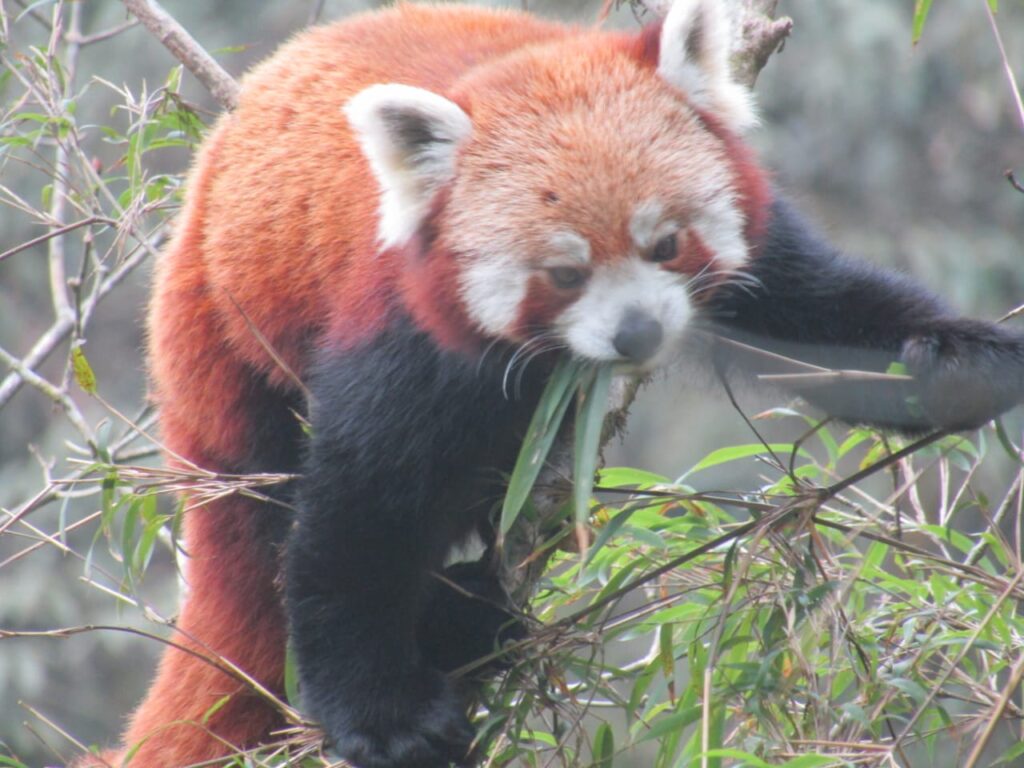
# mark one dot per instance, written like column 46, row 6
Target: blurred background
column 897, row 151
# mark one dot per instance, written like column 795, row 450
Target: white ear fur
column 410, row 137
column 694, row 57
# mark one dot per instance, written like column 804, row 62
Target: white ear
column 694, row 57
column 410, row 137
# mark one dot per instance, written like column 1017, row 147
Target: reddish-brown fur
column 279, row 232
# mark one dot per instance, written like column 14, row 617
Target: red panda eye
column 665, row 249
column 567, row 278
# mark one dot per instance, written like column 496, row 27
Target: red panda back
column 287, row 252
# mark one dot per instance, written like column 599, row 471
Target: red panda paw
column 404, row 730
column 968, row 372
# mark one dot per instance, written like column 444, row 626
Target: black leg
column 811, row 303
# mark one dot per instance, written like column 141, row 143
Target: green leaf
column 614, row 477
column 911, row 688
column 291, row 676
column 540, row 435
column 641, row 682
column 671, row 723
column 230, row 49
column 921, row 8
column 666, row 652
column 1010, row 756
column 735, row 452
column 217, row 705
column 128, row 524
column 608, row 530
column 1007, row 444
column 897, row 368
column 130, row 753
column 857, row 436
column 590, row 411
column 84, row 376
column 603, row 746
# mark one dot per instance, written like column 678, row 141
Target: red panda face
column 585, row 223
column 588, row 201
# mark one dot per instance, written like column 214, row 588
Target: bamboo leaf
column 921, row 8
column 84, row 376
column 590, row 412
column 540, row 435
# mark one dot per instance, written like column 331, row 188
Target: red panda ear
column 694, row 57
column 410, row 137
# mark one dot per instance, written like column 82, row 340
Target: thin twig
column 1013, row 181
column 99, row 37
column 1014, row 89
column 57, row 233
column 59, row 397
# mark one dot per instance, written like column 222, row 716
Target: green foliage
column 921, row 9
column 571, row 381
column 842, row 630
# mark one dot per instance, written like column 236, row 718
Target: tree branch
column 185, row 49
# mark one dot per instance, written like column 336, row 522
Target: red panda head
column 587, row 192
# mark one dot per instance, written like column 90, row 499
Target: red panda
column 399, row 203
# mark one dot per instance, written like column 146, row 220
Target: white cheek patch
column 493, row 290
column 589, row 325
column 720, row 225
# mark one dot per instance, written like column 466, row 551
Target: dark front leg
column 469, row 617
column 403, row 437
column 356, row 588
column 813, row 304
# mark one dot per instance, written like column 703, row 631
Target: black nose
column 638, row 336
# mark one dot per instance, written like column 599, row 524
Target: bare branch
column 56, row 233
column 1007, row 68
column 99, row 37
column 42, row 349
column 54, row 393
column 62, row 328
column 1013, row 181
column 759, row 35
column 185, row 49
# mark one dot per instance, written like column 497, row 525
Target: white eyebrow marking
column 644, row 221
column 648, row 224
column 567, row 245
